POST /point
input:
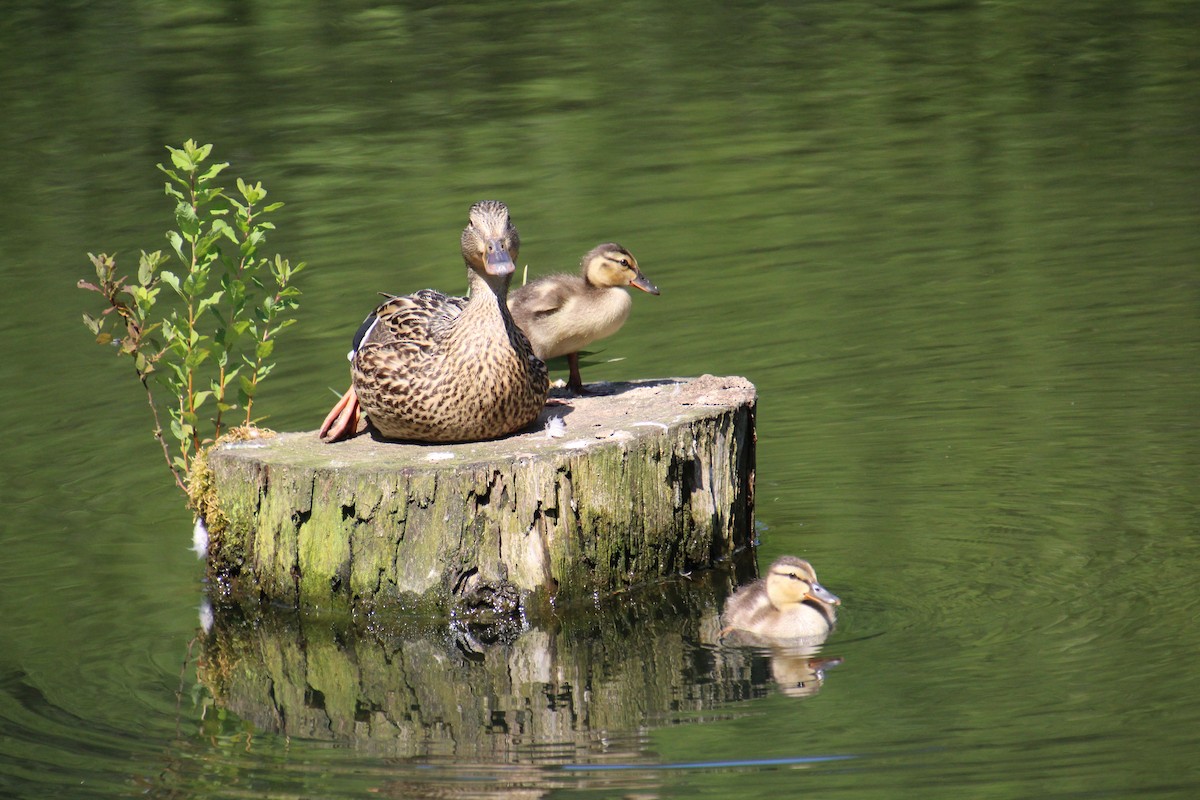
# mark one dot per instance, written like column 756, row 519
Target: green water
column 954, row 245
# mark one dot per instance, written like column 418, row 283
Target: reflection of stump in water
column 584, row 687
column 648, row 480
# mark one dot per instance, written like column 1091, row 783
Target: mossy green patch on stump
column 643, row 481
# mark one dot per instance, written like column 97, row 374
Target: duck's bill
column 643, row 284
column 822, row 595
column 497, row 261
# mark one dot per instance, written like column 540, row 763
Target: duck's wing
column 747, row 605
column 414, row 318
column 544, row 296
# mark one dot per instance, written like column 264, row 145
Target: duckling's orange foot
column 342, row 421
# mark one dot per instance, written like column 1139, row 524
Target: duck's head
column 610, row 265
column 490, row 242
column 792, row 580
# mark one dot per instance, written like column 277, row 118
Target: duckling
column 787, row 604
column 562, row 314
column 433, row 368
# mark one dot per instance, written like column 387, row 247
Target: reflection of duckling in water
column 787, row 604
column 799, row 675
column 562, row 314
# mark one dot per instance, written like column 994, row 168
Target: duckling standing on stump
column 787, row 604
column 433, row 368
column 562, row 314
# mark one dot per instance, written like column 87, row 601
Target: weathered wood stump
column 634, row 483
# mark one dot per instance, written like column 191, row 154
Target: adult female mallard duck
column 434, row 368
column 562, row 314
column 787, row 604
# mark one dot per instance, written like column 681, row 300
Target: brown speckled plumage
column 436, row 368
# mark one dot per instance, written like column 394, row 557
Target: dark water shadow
column 581, row 688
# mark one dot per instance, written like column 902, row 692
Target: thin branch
column 158, row 435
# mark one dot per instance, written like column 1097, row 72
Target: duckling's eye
column 624, row 262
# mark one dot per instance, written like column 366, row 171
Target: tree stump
column 636, row 482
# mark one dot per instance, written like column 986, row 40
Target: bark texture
column 638, row 482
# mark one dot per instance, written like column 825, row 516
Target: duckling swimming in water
column 788, row 603
column 433, row 368
column 561, row 314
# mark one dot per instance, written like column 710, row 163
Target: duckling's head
column 791, row 581
column 609, row 265
column 490, row 242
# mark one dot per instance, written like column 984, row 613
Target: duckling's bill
column 644, row 284
column 820, row 594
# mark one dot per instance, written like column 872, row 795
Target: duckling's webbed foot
column 575, row 381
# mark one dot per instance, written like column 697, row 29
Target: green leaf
column 204, row 244
column 104, row 338
column 264, row 349
column 145, row 269
column 176, row 242
column 181, row 160
column 213, row 171
column 185, row 218
column 223, row 228
column 195, row 358
column 93, row 323
column 200, row 397
column 194, row 283
column 247, row 386
column 177, row 374
column 210, row 301
column 271, row 207
column 170, row 279
column 252, row 193
column 287, row 323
